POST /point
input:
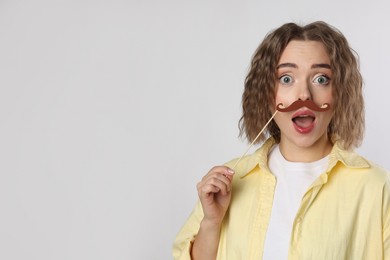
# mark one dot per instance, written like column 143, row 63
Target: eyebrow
column 288, row 65
column 314, row 66
column 321, row 65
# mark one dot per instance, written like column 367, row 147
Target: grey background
column 112, row 111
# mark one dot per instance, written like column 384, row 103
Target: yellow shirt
column 345, row 213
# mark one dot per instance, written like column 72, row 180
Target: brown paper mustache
column 303, row 103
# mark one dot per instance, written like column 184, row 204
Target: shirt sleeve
column 386, row 219
column 186, row 236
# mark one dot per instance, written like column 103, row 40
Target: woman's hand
column 215, row 193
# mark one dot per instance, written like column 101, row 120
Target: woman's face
column 304, row 72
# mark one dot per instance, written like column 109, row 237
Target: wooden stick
column 249, row 147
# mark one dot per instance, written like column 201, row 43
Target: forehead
column 298, row 51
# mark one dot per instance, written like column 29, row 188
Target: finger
column 222, row 185
column 227, row 172
column 208, row 189
column 223, row 170
column 218, row 176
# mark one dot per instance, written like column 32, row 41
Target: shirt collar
column 349, row 158
column 260, row 158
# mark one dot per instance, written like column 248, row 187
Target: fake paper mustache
column 302, row 103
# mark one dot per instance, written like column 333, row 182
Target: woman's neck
column 314, row 152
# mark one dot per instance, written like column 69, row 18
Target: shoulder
column 374, row 170
column 360, row 169
column 244, row 165
column 354, row 162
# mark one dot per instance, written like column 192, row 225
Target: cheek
column 279, row 97
column 283, row 121
column 286, row 100
column 326, row 96
column 326, row 118
column 330, row 115
column 330, row 99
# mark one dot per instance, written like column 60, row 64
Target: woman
column 304, row 194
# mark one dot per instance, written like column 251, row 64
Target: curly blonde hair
column 347, row 124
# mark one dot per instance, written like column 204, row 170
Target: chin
column 312, row 141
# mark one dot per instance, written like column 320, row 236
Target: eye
column 286, row 79
column 321, row 80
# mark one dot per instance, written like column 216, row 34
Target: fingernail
column 230, row 171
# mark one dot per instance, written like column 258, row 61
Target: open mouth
column 304, row 121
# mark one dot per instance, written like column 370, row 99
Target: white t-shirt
column 292, row 181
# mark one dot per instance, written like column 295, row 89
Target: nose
column 304, row 92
